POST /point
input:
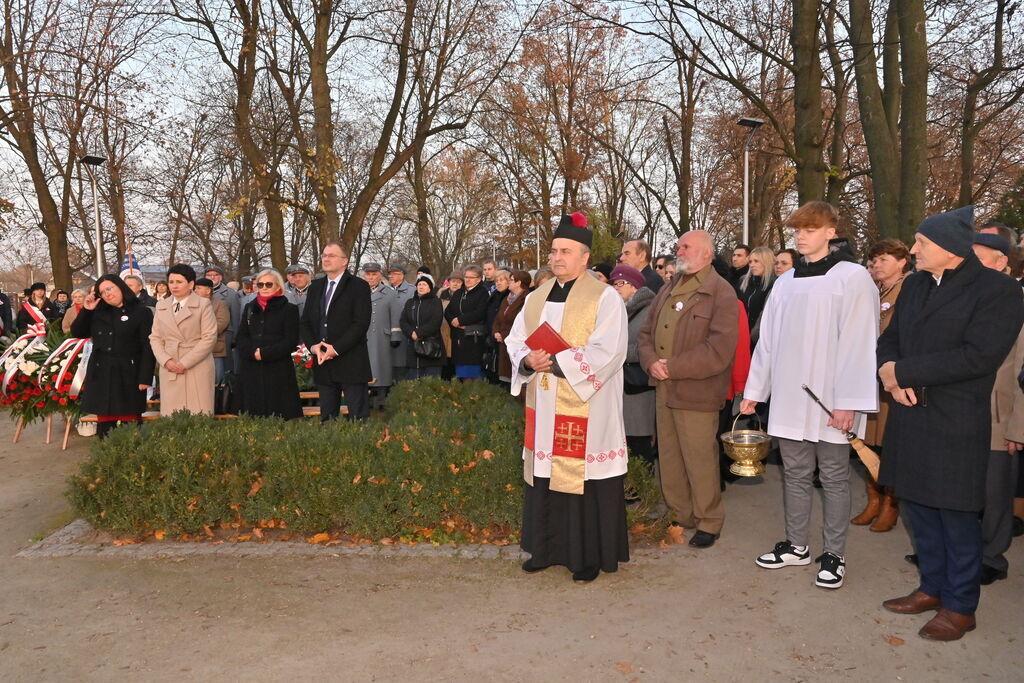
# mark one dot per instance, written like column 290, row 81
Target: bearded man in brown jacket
column 687, row 346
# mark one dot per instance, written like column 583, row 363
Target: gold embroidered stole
column 569, row 442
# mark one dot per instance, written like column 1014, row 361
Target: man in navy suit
column 334, row 325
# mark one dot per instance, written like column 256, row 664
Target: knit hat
column 426, row 277
column 997, row 242
column 574, row 227
column 605, row 269
column 629, row 274
column 423, row 269
column 204, row 282
column 952, row 230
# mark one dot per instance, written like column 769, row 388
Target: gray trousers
column 997, row 520
column 833, row 460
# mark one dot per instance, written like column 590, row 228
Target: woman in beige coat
column 184, row 333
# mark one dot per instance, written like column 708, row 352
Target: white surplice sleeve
column 855, row 385
column 588, row 368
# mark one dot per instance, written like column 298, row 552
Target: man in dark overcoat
column 954, row 324
column 334, row 325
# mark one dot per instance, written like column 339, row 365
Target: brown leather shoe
column 915, row 603
column 947, row 625
column 889, row 513
column 874, row 504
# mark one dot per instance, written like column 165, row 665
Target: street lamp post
column 753, row 125
column 90, row 162
column 536, row 213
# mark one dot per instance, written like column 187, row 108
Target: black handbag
column 428, row 348
column 223, row 396
column 635, row 379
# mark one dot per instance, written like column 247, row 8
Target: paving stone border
column 66, row 542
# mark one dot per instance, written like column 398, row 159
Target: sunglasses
column 266, row 285
column 660, row 266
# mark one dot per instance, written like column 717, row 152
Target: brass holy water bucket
column 748, row 447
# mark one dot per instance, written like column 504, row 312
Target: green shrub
column 442, row 454
column 443, row 461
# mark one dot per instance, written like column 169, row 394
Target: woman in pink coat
column 183, row 337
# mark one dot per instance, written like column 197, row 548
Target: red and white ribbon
column 75, row 346
column 35, row 336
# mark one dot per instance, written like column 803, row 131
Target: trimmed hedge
column 443, row 462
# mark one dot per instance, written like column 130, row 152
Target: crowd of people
column 918, row 353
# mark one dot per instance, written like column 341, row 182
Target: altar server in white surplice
column 574, row 454
column 818, row 329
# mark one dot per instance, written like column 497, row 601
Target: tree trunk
column 419, row 190
column 883, row 152
column 914, row 118
column 807, row 128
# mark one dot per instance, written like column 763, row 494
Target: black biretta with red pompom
column 574, row 227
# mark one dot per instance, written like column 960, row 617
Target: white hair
column 270, row 272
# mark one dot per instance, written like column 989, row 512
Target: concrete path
column 674, row 615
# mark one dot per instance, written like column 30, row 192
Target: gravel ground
column 152, row 613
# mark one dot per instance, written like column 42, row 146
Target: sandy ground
column 675, row 615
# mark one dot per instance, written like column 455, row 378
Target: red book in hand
column 545, row 338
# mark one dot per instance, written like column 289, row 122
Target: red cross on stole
column 570, row 437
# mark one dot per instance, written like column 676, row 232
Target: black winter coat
column 948, row 342
column 422, row 315
column 470, row 307
column 268, row 386
column 121, row 358
column 348, row 319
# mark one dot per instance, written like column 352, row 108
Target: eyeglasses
column 266, row 285
column 620, row 283
column 472, row 277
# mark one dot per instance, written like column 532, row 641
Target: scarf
column 262, row 301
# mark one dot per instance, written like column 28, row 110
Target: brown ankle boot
column 873, row 506
column 889, row 513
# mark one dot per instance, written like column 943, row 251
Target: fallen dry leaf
column 486, row 455
column 208, row 531
column 638, row 528
column 405, row 447
column 676, row 535
column 624, row 668
column 257, row 532
column 894, row 640
column 356, row 479
column 255, row 488
column 663, row 545
column 387, row 541
column 319, row 538
column 159, row 534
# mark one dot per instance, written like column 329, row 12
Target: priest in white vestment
column 574, row 455
column 818, row 329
